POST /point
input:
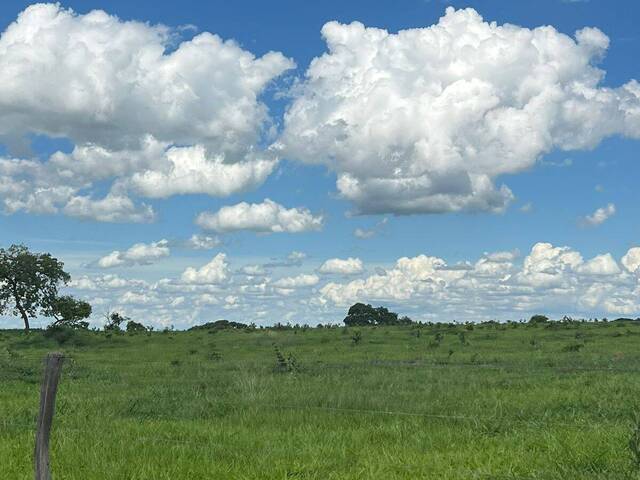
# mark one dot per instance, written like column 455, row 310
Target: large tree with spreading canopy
column 29, row 284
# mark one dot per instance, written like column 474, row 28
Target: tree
column 539, row 319
column 362, row 315
column 133, row 327
column 70, row 312
column 114, row 320
column 29, row 282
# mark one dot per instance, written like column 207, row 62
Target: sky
column 279, row 161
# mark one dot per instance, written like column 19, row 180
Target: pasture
column 494, row 401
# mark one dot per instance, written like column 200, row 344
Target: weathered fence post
column 52, row 370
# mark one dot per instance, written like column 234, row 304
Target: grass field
column 436, row 402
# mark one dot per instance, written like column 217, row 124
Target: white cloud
column 601, row 265
column 550, row 279
column 202, row 242
column 425, row 120
column 407, row 278
column 113, row 209
column 349, row 266
column 154, row 116
column 547, row 266
column 302, row 280
column 214, row 272
column 253, row 270
column 600, row 216
column 133, row 298
column 631, row 261
column 138, row 254
column 363, row 233
column 188, row 170
column 265, row 217
column 527, row 207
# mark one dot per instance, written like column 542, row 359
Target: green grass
column 500, row 403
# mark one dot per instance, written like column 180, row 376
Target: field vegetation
column 543, row 400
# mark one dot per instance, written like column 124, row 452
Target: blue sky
column 579, row 155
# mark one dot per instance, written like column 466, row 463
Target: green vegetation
column 494, row 401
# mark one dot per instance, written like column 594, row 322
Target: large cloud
column 265, row 217
column 158, row 116
column 427, row 119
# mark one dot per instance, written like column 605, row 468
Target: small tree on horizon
column 29, row 282
column 70, row 312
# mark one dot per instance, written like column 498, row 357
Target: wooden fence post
column 52, row 370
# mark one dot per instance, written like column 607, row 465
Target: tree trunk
column 24, row 317
column 22, row 311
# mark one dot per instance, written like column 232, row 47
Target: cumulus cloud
column 601, row 265
column 600, row 216
column 112, row 209
column 426, row 120
column 631, row 261
column 349, row 266
column 155, row 116
column 550, row 278
column 202, row 242
column 302, row 280
column 265, row 217
column 138, row 254
column 214, row 272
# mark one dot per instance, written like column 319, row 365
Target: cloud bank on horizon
column 498, row 285
column 423, row 121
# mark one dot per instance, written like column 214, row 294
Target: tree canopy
column 362, row 315
column 70, row 312
column 29, row 282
